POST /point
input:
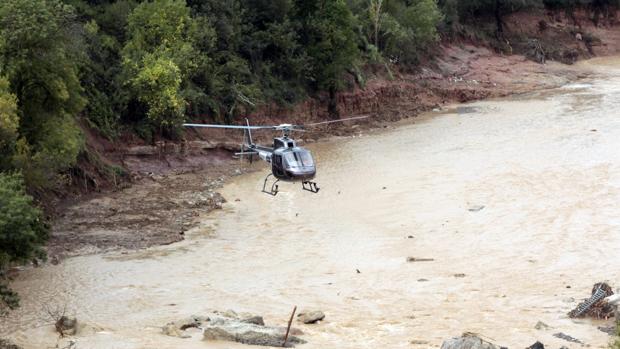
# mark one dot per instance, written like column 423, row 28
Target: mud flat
column 513, row 203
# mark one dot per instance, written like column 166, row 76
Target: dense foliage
column 22, row 232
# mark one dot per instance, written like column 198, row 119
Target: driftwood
column 595, row 306
column 288, row 328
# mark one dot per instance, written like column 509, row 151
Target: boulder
column 311, row 317
column 468, row 341
column 256, row 320
column 243, row 328
column 235, row 330
column 537, row 345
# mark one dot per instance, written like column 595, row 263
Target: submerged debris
column 66, row 325
column 537, row 345
column 415, row 259
column 610, row 330
column 468, row 341
column 567, row 338
column 475, row 208
column 595, row 306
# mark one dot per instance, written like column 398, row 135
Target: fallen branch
column 288, row 328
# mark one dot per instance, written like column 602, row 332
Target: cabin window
column 299, row 158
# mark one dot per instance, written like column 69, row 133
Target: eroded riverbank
column 544, row 166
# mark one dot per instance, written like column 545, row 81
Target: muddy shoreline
column 170, row 188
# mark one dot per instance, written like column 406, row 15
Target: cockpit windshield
column 299, row 158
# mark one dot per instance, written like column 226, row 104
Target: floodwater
column 516, row 201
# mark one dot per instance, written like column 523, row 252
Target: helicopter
column 289, row 162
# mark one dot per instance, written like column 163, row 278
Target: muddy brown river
column 516, row 201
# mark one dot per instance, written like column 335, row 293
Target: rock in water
column 537, row 345
column 66, row 325
column 172, row 330
column 468, row 341
column 227, row 329
column 256, row 320
column 311, row 317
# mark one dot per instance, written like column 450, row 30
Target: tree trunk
column 332, row 104
column 498, row 19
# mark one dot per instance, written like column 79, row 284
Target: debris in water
column 567, row 338
column 468, row 341
column 613, row 299
column 596, row 306
column 541, row 326
column 418, row 342
column 610, row 330
column 410, row 237
column 475, row 208
column 459, row 275
column 358, row 271
column 66, row 325
column 537, row 345
column 422, row 280
column 414, row 259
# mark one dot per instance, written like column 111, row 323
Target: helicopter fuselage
column 288, row 161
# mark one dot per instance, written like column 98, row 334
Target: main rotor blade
column 333, row 121
column 231, row 126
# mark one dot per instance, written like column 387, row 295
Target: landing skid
column 310, row 186
column 274, row 186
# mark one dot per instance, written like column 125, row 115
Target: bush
column 22, row 231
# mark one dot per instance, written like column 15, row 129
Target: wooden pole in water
column 288, row 328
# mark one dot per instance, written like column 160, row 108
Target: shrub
column 22, row 232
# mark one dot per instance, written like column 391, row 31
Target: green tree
column 22, row 231
column 271, row 46
column 401, row 30
column 39, row 57
column 160, row 57
column 9, row 122
column 228, row 81
column 328, row 34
